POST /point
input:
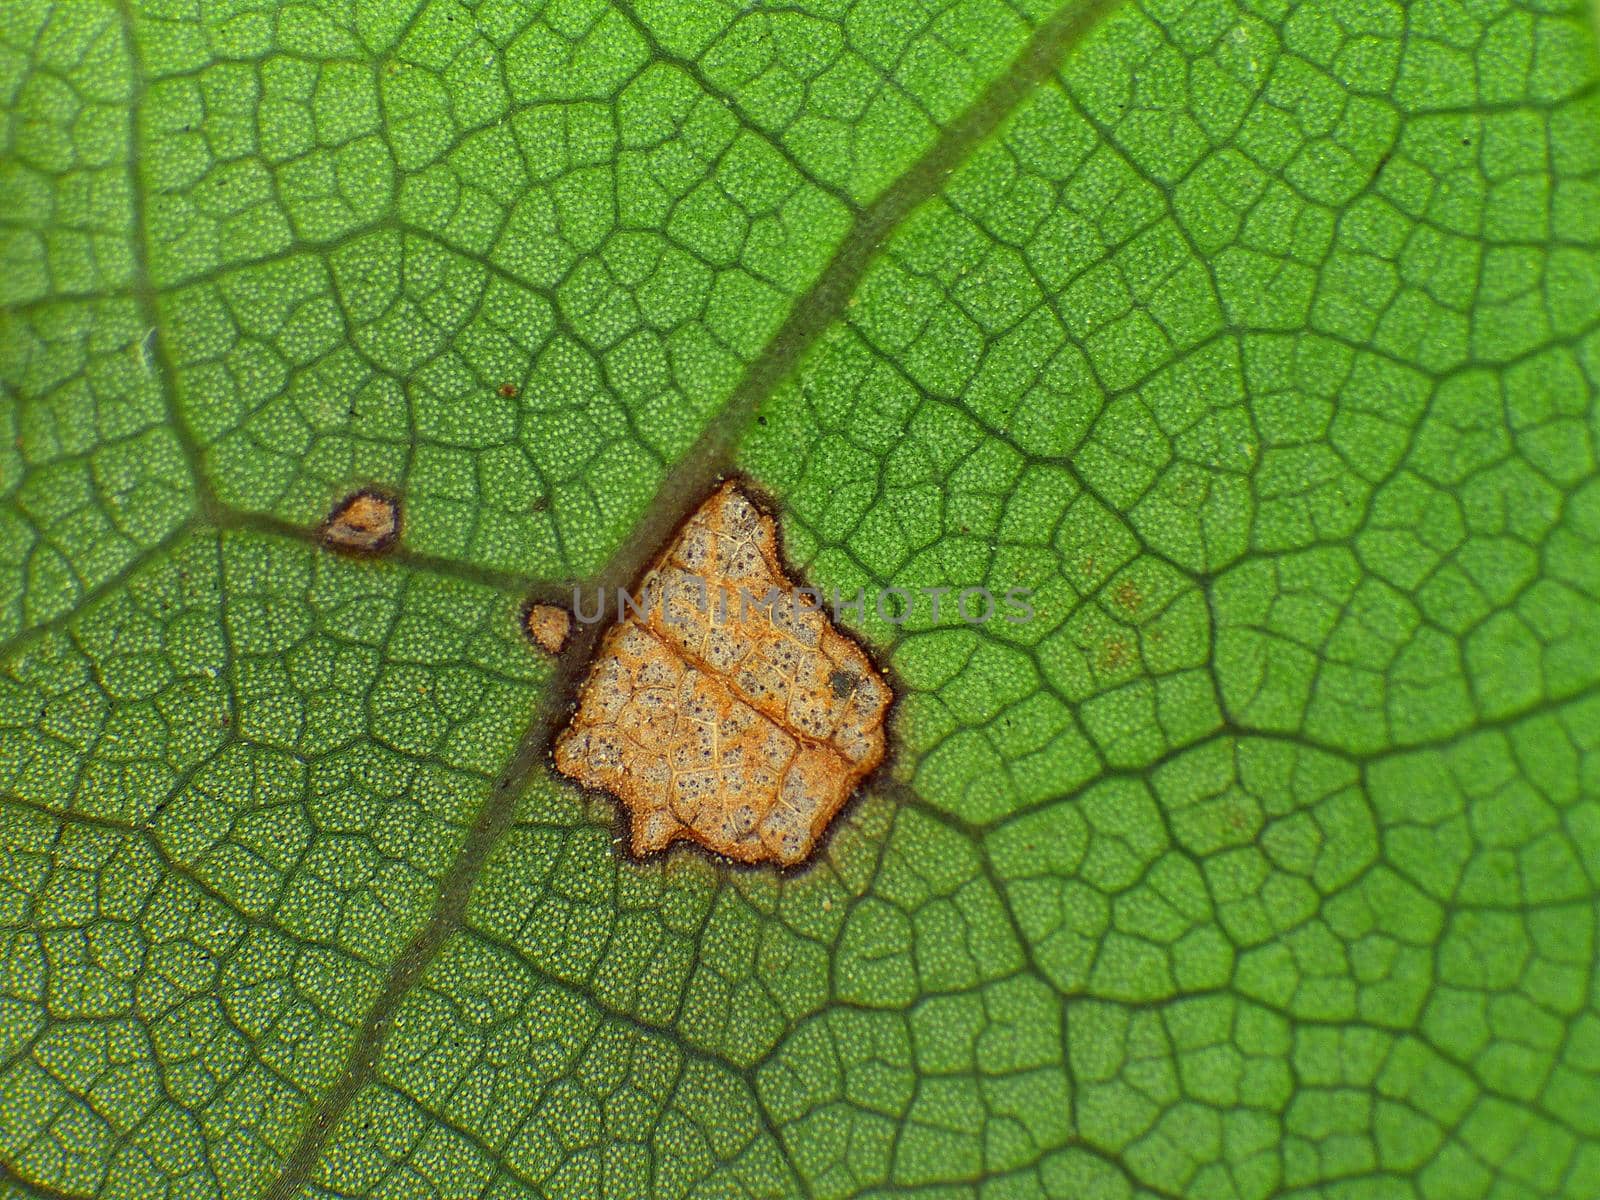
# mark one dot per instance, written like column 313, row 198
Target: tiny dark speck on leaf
column 842, row 683
column 508, row 390
column 761, row 420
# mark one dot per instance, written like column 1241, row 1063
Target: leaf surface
column 1257, row 345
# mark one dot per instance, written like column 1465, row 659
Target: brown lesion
column 720, row 721
column 365, row 522
column 549, row 626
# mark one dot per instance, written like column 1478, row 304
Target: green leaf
column 1258, row 346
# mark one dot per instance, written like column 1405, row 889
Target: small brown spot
column 549, row 626
column 366, row 522
column 1129, row 598
column 1113, row 654
column 508, row 390
column 718, row 719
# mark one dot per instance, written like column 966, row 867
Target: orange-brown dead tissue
column 549, row 627
column 718, row 719
column 364, row 521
